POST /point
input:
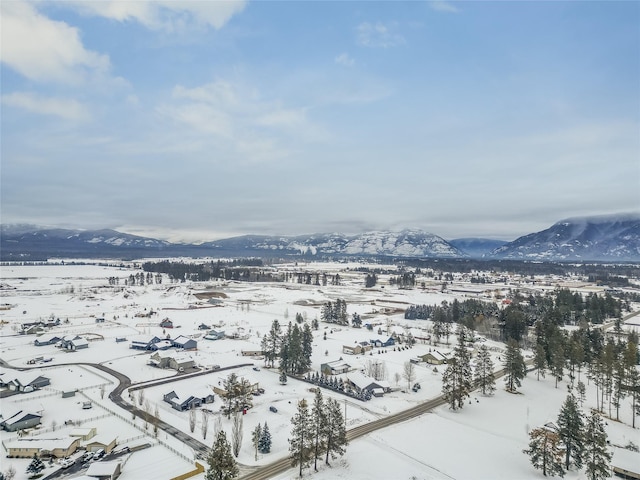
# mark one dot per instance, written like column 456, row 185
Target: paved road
column 282, row 465
column 124, row 382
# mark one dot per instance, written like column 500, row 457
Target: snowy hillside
column 606, row 238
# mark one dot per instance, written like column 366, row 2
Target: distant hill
column 612, row 239
column 608, row 238
column 29, row 243
column 476, row 247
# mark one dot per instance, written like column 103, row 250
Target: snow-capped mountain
column 30, row 242
column 407, row 243
column 603, row 238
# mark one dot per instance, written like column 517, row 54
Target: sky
column 200, row 120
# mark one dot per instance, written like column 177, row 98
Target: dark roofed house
column 166, row 323
column 381, row 342
column 144, row 342
column 185, row 401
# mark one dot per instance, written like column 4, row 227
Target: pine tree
column 265, row 440
column 255, row 438
column 596, row 455
column 222, row 465
column 484, row 377
column 514, row 366
column 271, row 343
column 570, row 428
column 283, row 377
column 301, row 440
column 336, row 430
column 307, row 348
column 457, row 377
column 540, row 360
column 36, row 465
column 545, row 451
column 319, row 426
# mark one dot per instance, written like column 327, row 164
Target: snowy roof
column 16, row 415
column 198, row 391
column 145, row 339
column 25, row 378
column 80, row 341
column 362, row 381
column 101, row 469
column 43, row 443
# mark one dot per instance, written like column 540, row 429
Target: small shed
column 166, row 323
column 84, row 434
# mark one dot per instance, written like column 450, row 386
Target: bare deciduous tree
column 156, row 420
column 192, row 420
column 236, row 433
column 147, row 413
column 140, row 397
column 103, row 389
column 409, row 373
column 204, row 427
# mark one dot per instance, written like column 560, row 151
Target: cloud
column 442, row 6
column 45, row 50
column 166, row 15
column 345, row 60
column 379, row 35
column 237, row 118
column 59, row 107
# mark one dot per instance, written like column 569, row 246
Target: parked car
column 66, row 463
column 273, row 409
column 98, row 454
column 257, row 369
column 87, row 456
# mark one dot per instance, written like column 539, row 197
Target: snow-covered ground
column 484, row 440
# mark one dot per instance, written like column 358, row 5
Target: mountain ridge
column 596, row 238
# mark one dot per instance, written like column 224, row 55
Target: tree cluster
column 318, row 433
column 335, row 312
column 575, row 441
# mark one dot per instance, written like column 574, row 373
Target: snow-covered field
column 484, row 440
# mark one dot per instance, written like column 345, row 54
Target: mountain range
column 614, row 238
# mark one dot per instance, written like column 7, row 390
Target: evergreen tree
column 36, row 465
column 457, row 377
column 540, row 359
column 570, row 428
column 336, row 430
column 283, row 377
column 271, row 343
column 307, row 348
column 265, row 440
column 319, row 426
column 301, row 440
column 255, row 438
column 545, row 451
column 514, row 366
column 222, row 465
column 484, row 377
column 597, row 457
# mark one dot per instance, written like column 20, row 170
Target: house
column 357, row 349
column 84, row 434
column 335, row 368
column 106, row 442
column 203, row 326
column 74, row 342
column 27, row 382
column 19, row 420
column 144, row 342
column 214, row 335
column 185, row 343
column 179, row 362
column 361, row 382
column 161, row 345
column 434, row 357
column 104, row 470
column 182, row 401
column 42, row 447
column 166, row 323
column 381, row 342
column 251, row 353
column 48, row 339
column 77, row 344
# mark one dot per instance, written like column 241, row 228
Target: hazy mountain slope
column 604, row 238
column 476, row 247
